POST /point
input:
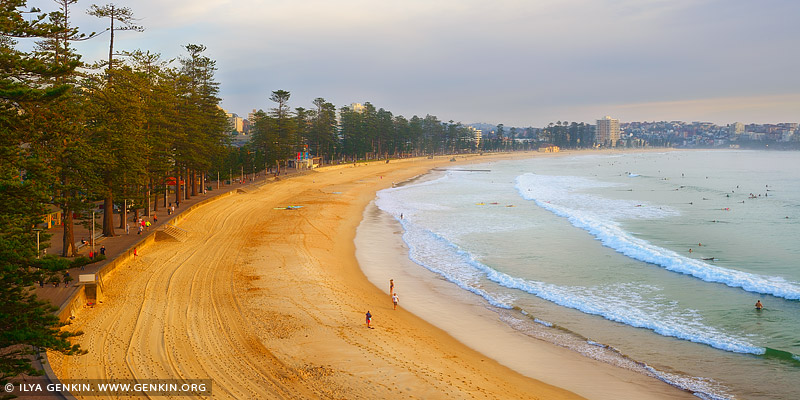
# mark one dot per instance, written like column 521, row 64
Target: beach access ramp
column 171, row 233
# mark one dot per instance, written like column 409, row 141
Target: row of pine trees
column 74, row 134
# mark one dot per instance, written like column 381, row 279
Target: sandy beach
column 270, row 303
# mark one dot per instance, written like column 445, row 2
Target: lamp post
column 37, row 241
column 91, row 240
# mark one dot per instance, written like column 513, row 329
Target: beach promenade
column 269, row 302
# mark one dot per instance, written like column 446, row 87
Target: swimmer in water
column 759, row 305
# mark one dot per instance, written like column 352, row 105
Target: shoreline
column 383, row 255
column 270, row 304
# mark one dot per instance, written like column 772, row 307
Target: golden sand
column 270, row 304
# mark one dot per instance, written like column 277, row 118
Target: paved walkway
column 118, row 244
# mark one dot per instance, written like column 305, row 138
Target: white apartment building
column 607, row 131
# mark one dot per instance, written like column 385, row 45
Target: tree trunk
column 186, row 193
column 123, row 214
column 68, row 241
column 155, row 201
column 194, row 183
column 108, row 211
column 178, row 187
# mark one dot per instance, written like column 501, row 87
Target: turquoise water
column 594, row 251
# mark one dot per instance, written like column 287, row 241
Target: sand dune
column 270, row 304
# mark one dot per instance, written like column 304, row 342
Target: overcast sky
column 517, row 62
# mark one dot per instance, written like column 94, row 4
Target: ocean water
column 649, row 261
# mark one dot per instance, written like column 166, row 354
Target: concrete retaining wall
column 104, row 276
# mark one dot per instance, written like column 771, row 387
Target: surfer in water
column 759, row 305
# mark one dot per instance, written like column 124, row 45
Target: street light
column 37, row 241
column 91, row 240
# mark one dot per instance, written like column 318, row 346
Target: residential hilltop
column 609, row 132
column 707, row 134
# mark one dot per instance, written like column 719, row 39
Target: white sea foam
column 620, row 302
column 542, row 322
column 599, row 216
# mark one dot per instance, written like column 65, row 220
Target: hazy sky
column 515, row 62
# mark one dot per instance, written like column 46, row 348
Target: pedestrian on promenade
column 147, row 225
column 155, row 218
column 140, row 230
column 103, row 250
column 127, row 228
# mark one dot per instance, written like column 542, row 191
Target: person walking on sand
column 391, row 287
column 394, row 300
column 369, row 319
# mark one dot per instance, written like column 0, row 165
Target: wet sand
column 470, row 320
column 270, row 303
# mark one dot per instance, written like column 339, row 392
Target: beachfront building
column 549, row 148
column 357, row 107
column 235, row 122
column 236, row 128
column 607, row 133
column 477, row 136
